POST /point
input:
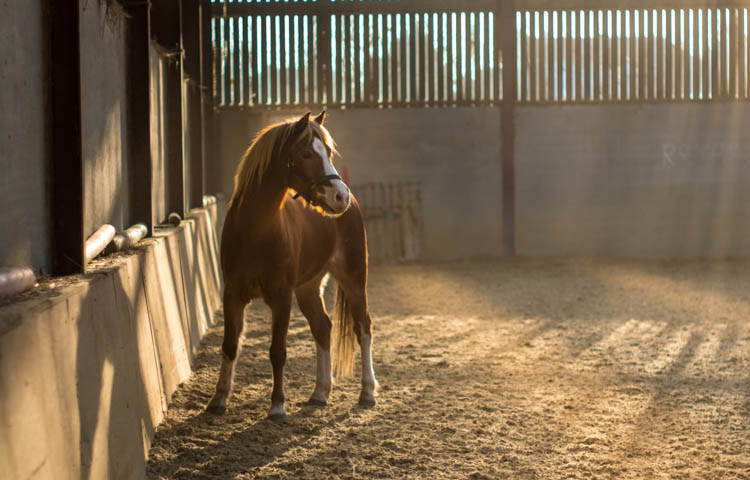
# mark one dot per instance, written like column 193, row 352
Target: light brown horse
column 274, row 245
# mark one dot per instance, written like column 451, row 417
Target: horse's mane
column 268, row 143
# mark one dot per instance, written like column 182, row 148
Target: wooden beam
column 67, row 148
column 506, row 29
column 165, row 32
column 139, row 120
column 191, row 44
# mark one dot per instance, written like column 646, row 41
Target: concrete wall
column 24, row 143
column 620, row 180
column 453, row 153
column 104, row 117
column 633, row 180
column 87, row 367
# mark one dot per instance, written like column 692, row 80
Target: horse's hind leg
column 354, row 289
column 234, row 308
column 311, row 304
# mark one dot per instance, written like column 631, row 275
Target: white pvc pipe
column 208, row 200
column 135, row 234
column 15, row 280
column 96, row 242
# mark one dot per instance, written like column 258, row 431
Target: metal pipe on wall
column 15, row 280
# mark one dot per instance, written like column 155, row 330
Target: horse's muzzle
column 336, row 198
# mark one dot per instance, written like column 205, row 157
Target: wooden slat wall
column 635, row 55
column 394, row 54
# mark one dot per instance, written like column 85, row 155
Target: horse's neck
column 263, row 202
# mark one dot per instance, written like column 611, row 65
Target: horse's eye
column 307, row 154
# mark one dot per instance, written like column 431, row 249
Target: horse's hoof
column 216, row 409
column 366, row 402
column 313, row 402
column 277, row 417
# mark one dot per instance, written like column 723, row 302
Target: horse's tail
column 343, row 339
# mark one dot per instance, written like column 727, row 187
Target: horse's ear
column 321, row 118
column 301, row 124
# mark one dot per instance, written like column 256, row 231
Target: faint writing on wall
column 676, row 154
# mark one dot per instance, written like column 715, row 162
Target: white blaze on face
column 337, row 195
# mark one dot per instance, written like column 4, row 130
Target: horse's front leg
column 234, row 307
column 281, row 304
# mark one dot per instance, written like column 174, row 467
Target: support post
column 67, row 149
column 507, row 33
column 210, row 154
column 139, row 125
column 191, row 43
column 165, row 31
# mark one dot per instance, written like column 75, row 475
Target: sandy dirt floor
column 554, row 368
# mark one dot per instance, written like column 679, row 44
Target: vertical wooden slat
column 239, row 60
column 733, row 57
column 705, row 55
column 283, row 37
column 260, row 54
column 659, row 58
column 276, row 69
column 412, row 85
column 343, row 66
column 459, row 57
column 294, row 47
column 356, row 68
column 697, row 66
column 436, row 58
column 622, row 55
column 560, row 43
column 744, row 43
column 669, row 58
column 428, row 59
column 346, row 65
column 550, row 57
column 473, row 38
column 226, row 61
column 575, row 30
column 249, row 66
column 570, row 56
column 601, row 57
column 722, row 52
column 466, row 80
column 307, row 83
column 392, row 61
column 369, row 60
column 643, row 55
column 357, row 45
column 324, row 58
column 416, row 78
column 488, row 57
column 586, row 31
column 444, row 41
column 524, row 56
column 606, row 57
column 632, row 55
column 714, row 55
column 679, row 55
column 533, row 58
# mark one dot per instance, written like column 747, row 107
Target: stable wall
column 24, row 143
column 454, row 154
column 633, row 180
column 88, row 366
column 667, row 180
